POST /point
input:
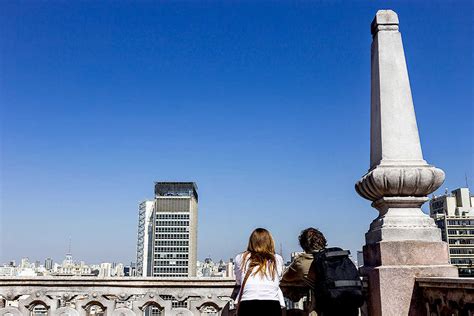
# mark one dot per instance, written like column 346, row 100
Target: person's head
column 261, row 252
column 312, row 239
column 261, row 241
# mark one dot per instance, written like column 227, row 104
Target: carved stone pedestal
column 391, row 268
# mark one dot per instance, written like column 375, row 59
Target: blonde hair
column 260, row 253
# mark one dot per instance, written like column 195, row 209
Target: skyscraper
column 167, row 231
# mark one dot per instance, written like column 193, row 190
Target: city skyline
column 268, row 110
column 69, row 266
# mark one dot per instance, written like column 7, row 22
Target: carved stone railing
column 77, row 296
column 445, row 296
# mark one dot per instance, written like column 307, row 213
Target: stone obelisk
column 402, row 242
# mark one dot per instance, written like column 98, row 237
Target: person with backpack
column 258, row 271
column 326, row 275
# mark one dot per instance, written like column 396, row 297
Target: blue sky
column 264, row 104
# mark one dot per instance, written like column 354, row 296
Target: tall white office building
column 167, row 231
column 145, row 235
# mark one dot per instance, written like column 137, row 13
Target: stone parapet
column 75, row 296
column 451, row 296
column 392, row 288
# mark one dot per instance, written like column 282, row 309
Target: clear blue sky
column 264, row 104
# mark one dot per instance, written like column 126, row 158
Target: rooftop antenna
column 465, row 177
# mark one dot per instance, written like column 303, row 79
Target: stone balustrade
column 446, row 296
column 74, row 296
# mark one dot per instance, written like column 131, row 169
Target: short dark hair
column 312, row 239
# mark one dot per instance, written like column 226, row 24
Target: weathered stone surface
column 391, row 288
column 401, row 219
column 406, row 253
column 452, row 296
column 9, row 311
column 118, row 296
column 399, row 181
column 384, row 20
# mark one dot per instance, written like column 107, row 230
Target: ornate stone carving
column 388, row 181
column 121, row 297
column 66, row 311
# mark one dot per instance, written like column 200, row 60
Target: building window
column 152, row 310
column 95, row 310
column 39, row 310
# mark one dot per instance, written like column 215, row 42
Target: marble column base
column 391, row 268
column 401, row 218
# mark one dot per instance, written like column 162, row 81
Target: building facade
column 167, row 231
column 454, row 214
column 71, row 268
column 145, row 235
column 48, row 264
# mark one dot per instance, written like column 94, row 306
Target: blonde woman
column 258, row 272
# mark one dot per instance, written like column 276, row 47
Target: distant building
column 48, row 264
column 130, row 270
column 8, row 270
column 70, row 268
column 167, row 231
column 118, row 270
column 25, row 263
column 105, row 270
column 230, row 269
column 211, row 269
column 454, row 215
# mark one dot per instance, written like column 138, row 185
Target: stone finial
column 399, row 179
column 384, row 20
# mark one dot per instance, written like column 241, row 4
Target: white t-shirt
column 260, row 287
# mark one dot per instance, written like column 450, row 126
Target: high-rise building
column 130, row 270
column 105, row 270
column 48, row 264
column 167, row 231
column 454, row 214
column 145, row 238
column 25, row 263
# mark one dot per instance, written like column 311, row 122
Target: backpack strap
column 345, row 283
column 249, row 271
column 244, row 281
column 337, row 253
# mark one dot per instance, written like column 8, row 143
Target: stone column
column 402, row 242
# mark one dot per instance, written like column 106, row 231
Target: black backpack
column 338, row 281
